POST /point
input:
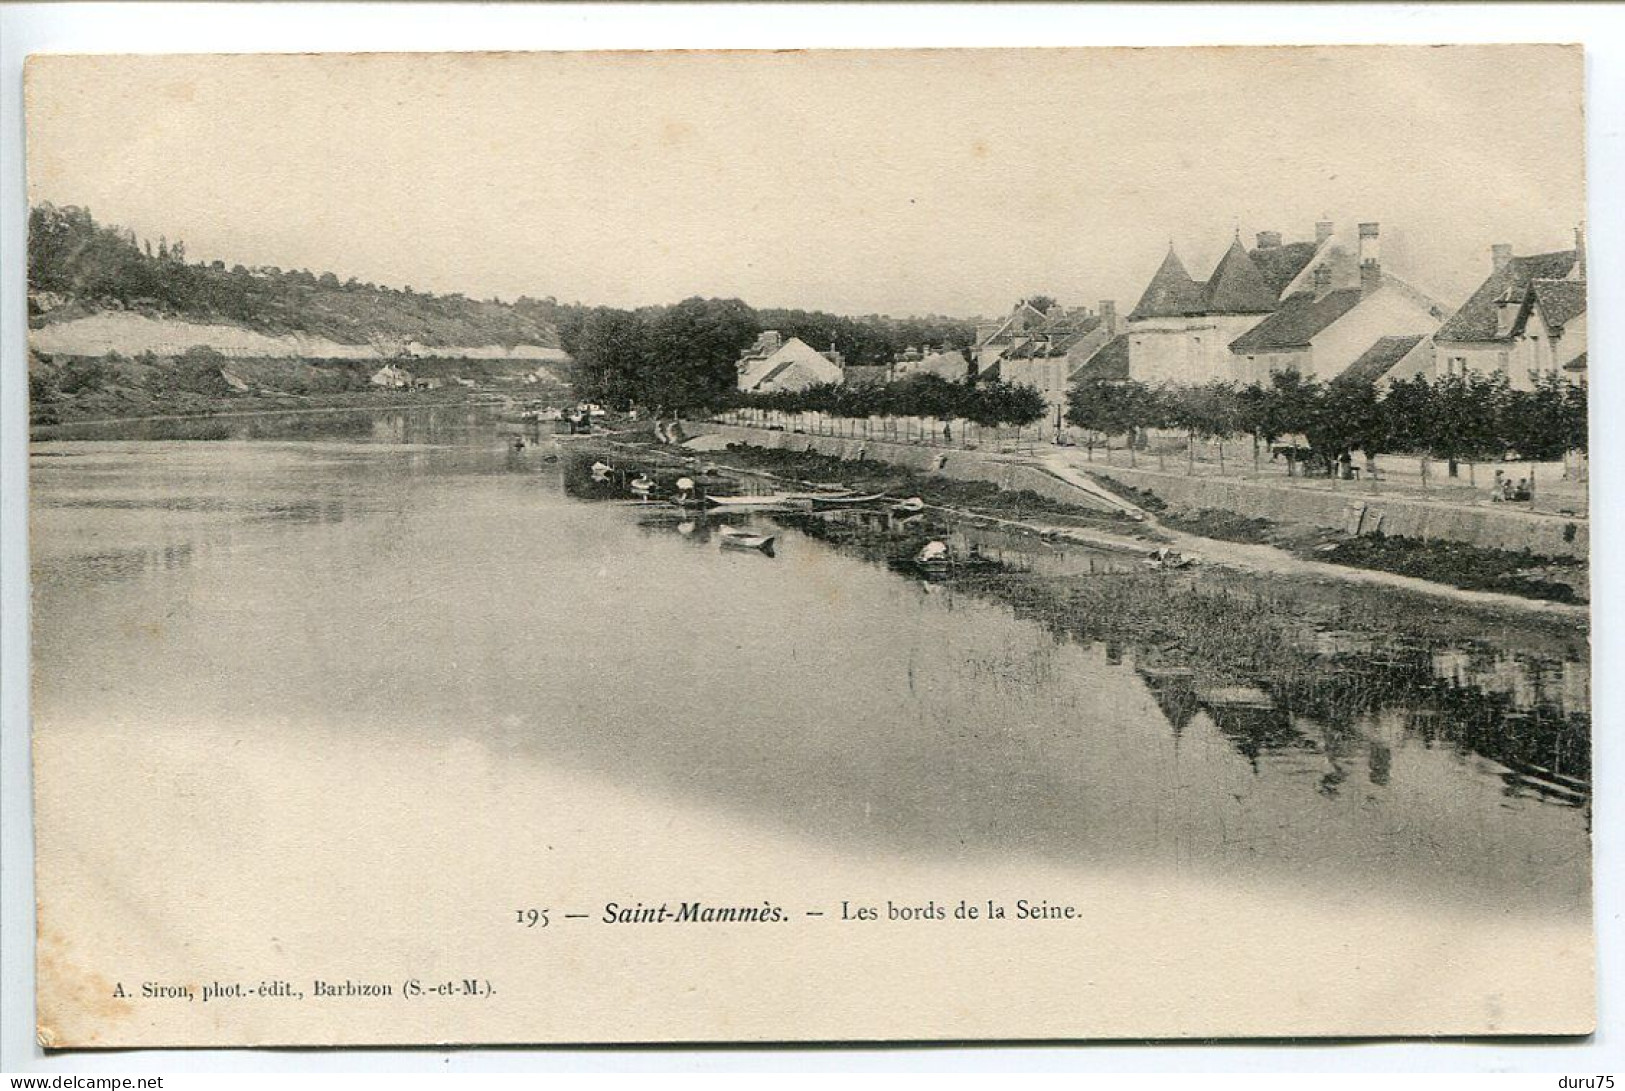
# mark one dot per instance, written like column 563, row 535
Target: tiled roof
column 1477, row 320
column 1578, row 363
column 1110, row 361
column 776, row 370
column 1237, row 286
column 1560, row 301
column 1282, row 264
column 1171, row 292
column 1380, row 358
column 1297, row 322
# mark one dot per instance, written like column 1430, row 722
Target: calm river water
column 384, row 586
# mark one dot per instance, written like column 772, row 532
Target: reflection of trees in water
column 424, row 425
column 1188, row 640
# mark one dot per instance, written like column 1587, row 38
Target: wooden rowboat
column 744, row 503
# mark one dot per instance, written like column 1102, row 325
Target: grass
column 1469, row 567
column 1224, row 525
column 867, row 475
column 1454, row 564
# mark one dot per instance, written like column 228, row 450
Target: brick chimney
column 1370, row 259
column 1269, row 240
column 1323, row 231
column 1108, row 317
column 1500, row 256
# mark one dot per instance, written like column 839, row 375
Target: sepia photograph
column 939, row 545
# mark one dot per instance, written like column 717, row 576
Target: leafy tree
column 607, row 348
column 692, row 351
column 1464, row 418
column 1346, row 415
column 1548, row 421
column 1114, row 408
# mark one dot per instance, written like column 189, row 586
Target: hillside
column 78, row 268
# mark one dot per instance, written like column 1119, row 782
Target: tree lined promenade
column 1456, row 439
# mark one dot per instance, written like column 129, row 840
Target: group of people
column 1506, row 491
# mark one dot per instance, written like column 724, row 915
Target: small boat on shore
column 734, row 538
column 747, row 503
column 909, row 506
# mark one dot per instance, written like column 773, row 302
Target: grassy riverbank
column 1471, row 568
column 1517, row 573
column 979, row 497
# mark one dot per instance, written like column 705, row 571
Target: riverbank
column 201, row 407
column 1058, row 521
column 1519, row 573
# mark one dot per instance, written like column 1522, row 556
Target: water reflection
column 1068, row 704
column 1270, row 677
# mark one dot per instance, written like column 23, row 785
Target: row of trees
column 988, row 404
column 683, row 357
column 1456, row 418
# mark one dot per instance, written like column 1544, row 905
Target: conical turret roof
column 1171, row 292
column 1237, row 286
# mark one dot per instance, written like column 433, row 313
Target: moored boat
column 745, row 503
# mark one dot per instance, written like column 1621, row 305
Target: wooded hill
column 77, row 267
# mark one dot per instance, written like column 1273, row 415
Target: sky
column 896, row 182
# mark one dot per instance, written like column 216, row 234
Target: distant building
column 995, row 339
column 774, row 364
column 391, row 376
column 1527, row 319
column 1310, row 307
column 1181, row 329
column 1339, row 306
column 1043, row 353
column 950, row 364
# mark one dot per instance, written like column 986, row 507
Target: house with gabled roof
column 1333, row 312
column 1046, row 357
column 994, row 339
column 774, row 364
column 1527, row 319
column 1181, row 328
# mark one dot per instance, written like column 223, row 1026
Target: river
column 366, row 682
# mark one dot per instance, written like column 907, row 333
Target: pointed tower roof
column 1237, row 286
column 1171, row 291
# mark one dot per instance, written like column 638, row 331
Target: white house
column 1181, row 329
column 1333, row 312
column 1526, row 319
column 773, row 364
